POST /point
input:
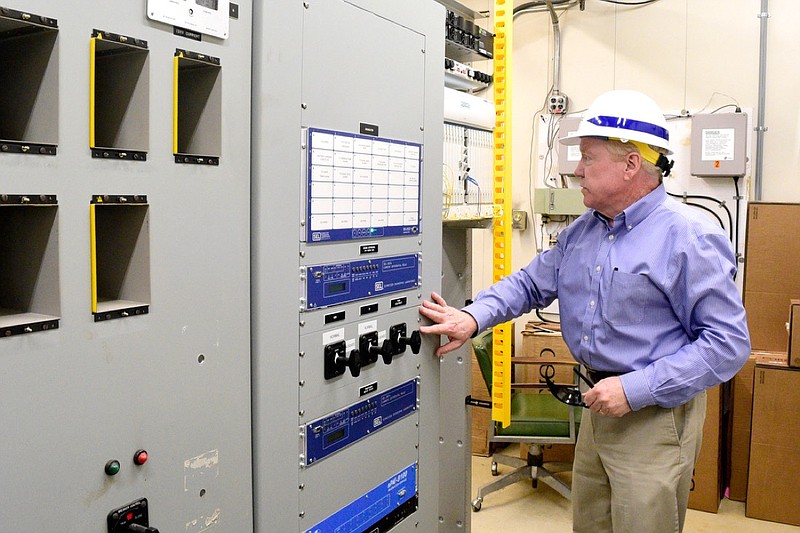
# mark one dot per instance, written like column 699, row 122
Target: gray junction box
column 719, row 145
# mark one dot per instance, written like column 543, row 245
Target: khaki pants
column 633, row 474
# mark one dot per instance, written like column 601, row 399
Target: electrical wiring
column 738, row 109
column 546, row 320
column 541, row 5
column 621, row 3
column 448, row 187
column 708, row 209
column 472, row 180
column 719, row 203
column 737, row 198
column 689, row 114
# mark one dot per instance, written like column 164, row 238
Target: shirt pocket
column 629, row 297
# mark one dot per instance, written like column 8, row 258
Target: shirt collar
column 638, row 211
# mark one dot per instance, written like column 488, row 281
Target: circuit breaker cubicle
column 347, row 131
column 124, row 271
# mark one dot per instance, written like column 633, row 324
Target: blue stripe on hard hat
column 630, row 124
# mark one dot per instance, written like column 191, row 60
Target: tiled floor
column 521, row 509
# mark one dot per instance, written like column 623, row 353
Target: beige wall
column 680, row 52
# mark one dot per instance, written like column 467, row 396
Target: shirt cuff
column 480, row 314
column 636, row 389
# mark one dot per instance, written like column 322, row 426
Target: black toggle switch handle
column 137, row 528
column 354, row 363
column 414, row 341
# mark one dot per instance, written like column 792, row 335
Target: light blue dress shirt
column 652, row 297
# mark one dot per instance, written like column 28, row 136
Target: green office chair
column 537, row 419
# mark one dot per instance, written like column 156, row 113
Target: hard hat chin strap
column 656, row 158
column 664, row 164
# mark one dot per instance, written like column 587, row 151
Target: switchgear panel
column 124, row 276
column 346, row 242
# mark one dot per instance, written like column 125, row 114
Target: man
column 648, row 304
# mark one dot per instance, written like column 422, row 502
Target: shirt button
column 591, row 304
column 610, row 237
column 586, row 337
column 597, row 268
column 630, row 227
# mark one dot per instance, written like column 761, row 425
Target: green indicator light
column 112, row 467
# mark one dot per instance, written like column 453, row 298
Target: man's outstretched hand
column 457, row 325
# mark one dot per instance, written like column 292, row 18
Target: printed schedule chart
column 361, row 187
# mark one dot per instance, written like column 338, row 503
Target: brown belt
column 597, row 375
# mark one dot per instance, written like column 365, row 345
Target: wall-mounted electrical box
column 553, row 201
column 568, row 156
column 719, row 144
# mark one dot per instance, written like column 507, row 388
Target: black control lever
column 414, row 341
column 354, row 363
column 386, row 350
column 136, row 528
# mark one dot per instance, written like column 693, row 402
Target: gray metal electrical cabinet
column 719, row 145
column 346, row 201
column 124, row 271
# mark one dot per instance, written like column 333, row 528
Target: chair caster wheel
column 476, row 504
column 495, row 472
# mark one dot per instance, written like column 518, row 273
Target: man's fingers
column 435, row 329
column 449, row 347
column 438, row 299
column 434, row 314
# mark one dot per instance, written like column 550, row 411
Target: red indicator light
column 140, row 457
column 129, row 516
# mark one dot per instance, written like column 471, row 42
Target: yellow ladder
column 501, row 251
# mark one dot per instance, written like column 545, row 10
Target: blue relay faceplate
column 339, row 283
column 331, row 433
column 379, row 509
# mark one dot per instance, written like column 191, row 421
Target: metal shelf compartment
column 119, row 107
column 28, row 83
column 29, row 282
column 197, row 109
column 120, row 248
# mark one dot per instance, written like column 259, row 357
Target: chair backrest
column 482, row 346
column 537, row 416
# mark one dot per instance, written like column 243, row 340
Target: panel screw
column 304, row 105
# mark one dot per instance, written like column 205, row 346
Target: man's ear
column 633, row 163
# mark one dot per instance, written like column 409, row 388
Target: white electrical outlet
column 557, row 104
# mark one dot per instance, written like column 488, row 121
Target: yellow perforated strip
column 501, row 356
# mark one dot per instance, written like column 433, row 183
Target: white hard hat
column 625, row 115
